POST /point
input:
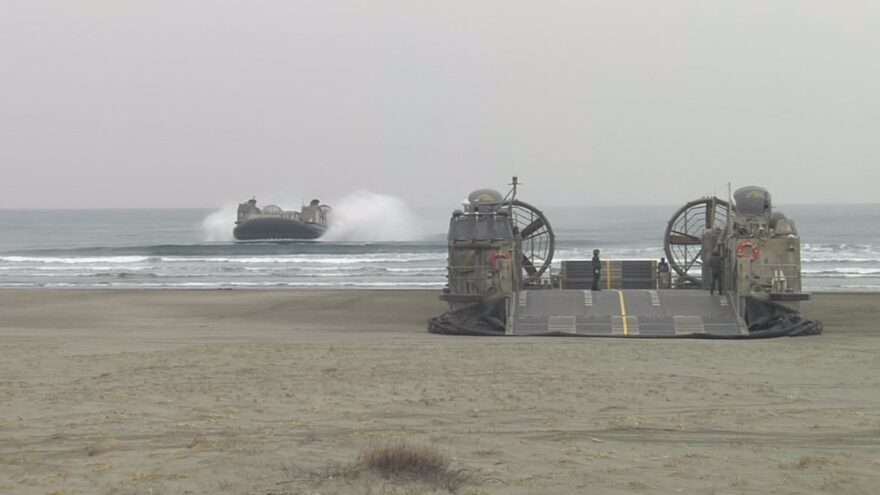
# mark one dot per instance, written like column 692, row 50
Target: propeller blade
column 532, row 228
column 528, row 266
column 694, row 260
column 684, row 238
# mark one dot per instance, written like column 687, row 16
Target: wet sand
column 172, row 392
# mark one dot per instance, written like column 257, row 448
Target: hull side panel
column 276, row 228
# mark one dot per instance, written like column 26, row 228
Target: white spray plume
column 367, row 216
column 218, row 225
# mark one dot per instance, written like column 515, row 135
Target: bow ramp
column 624, row 313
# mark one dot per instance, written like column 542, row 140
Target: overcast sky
column 199, row 103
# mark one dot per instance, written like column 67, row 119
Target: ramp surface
column 625, row 313
column 616, row 274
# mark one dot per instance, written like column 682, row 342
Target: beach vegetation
column 402, row 461
column 399, row 463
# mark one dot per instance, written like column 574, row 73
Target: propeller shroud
column 538, row 241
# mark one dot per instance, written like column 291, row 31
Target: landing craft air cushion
column 273, row 223
column 500, row 249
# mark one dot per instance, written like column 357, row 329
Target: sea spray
column 367, row 216
column 218, row 225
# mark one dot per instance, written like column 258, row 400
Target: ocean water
column 192, row 248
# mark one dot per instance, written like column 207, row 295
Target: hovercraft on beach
column 500, row 247
column 273, row 223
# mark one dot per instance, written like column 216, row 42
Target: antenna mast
column 729, row 210
column 514, row 181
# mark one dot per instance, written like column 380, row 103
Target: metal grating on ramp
column 588, row 298
column 632, row 325
column 561, row 324
column 616, row 274
column 685, row 325
column 625, row 326
column 617, row 326
column 624, row 313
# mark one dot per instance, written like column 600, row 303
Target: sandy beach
column 279, row 392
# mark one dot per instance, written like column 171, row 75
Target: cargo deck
column 624, row 313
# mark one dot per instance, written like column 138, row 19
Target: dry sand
column 276, row 392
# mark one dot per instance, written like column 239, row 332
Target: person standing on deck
column 663, row 275
column 597, row 269
column 716, row 264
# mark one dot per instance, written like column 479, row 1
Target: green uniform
column 716, row 265
column 597, row 271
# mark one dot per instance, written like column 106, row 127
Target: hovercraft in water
column 273, row 223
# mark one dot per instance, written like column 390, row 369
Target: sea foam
column 218, row 225
column 368, row 216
